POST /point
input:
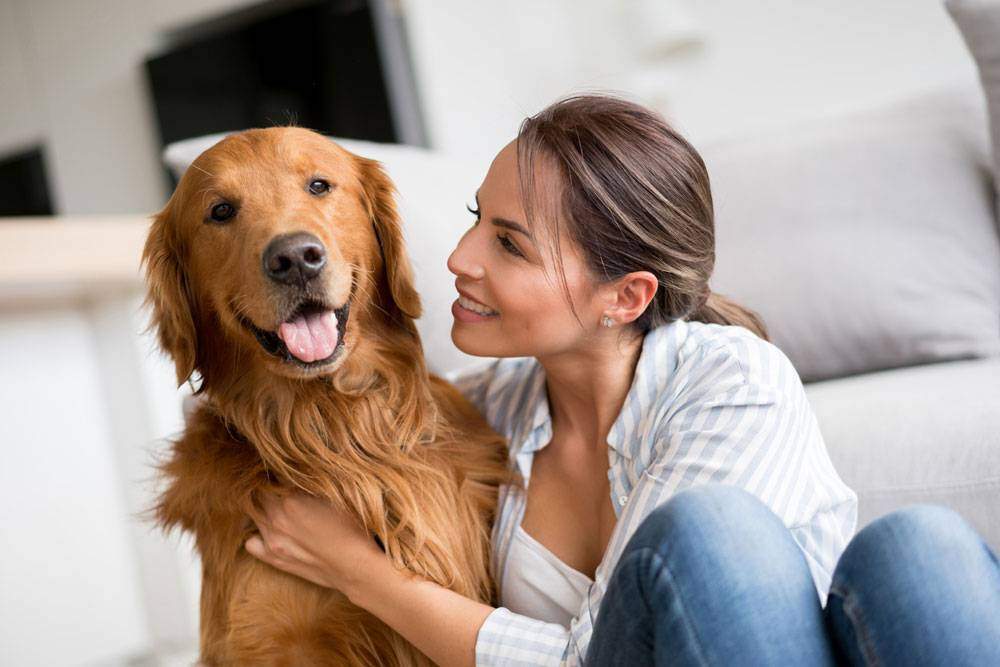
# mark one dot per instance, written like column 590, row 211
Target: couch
column 869, row 243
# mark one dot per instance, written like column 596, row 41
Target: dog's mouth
column 312, row 336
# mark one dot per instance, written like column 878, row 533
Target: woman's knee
column 916, row 524
column 902, row 548
column 724, row 578
column 917, row 586
column 720, row 523
column 704, row 509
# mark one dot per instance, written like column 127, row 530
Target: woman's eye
column 223, row 212
column 473, row 211
column 508, row 245
column 319, row 187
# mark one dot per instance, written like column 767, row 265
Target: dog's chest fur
column 254, row 614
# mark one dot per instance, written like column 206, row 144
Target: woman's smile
column 467, row 309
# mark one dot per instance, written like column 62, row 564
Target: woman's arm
column 441, row 623
column 321, row 543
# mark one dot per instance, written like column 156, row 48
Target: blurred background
column 92, row 94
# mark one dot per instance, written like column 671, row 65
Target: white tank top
column 539, row 585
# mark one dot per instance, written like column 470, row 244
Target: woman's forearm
column 441, row 623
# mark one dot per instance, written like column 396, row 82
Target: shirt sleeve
column 514, row 640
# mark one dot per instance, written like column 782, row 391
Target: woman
column 680, row 505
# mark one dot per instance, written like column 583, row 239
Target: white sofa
column 869, row 244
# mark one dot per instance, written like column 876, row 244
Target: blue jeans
column 713, row 577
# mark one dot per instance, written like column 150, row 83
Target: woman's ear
column 169, row 295
column 629, row 296
column 380, row 201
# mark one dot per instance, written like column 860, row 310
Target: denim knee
column 719, row 519
column 721, row 580
column 918, row 586
column 879, row 552
column 699, row 507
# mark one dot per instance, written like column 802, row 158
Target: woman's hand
column 312, row 539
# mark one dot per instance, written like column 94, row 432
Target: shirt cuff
column 509, row 639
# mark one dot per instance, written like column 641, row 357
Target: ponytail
column 717, row 309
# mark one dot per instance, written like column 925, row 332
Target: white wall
column 777, row 61
column 76, row 77
column 71, row 71
column 483, row 66
column 19, row 124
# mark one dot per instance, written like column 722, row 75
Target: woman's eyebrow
column 510, row 224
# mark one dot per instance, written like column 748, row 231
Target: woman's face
column 510, row 301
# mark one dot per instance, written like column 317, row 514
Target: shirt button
column 622, row 500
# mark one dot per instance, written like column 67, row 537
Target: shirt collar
column 535, row 420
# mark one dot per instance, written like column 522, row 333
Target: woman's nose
column 464, row 259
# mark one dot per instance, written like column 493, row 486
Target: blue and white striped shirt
column 708, row 403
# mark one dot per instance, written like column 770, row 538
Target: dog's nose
column 294, row 259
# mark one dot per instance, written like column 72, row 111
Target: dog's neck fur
column 314, row 433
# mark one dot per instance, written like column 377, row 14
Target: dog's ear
column 380, row 200
column 169, row 295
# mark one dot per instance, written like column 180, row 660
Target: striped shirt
column 708, row 403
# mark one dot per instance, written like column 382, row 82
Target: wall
column 483, row 66
column 71, row 72
column 75, row 71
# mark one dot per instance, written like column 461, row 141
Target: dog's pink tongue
column 310, row 337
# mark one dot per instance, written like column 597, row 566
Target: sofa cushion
column 979, row 23
column 915, row 435
column 866, row 240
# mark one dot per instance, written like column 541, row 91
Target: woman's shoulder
column 686, row 362
column 712, row 349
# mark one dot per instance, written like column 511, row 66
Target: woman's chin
column 472, row 342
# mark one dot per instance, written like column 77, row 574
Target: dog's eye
column 319, row 186
column 222, row 212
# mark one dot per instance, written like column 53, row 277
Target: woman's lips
column 463, row 314
column 469, row 303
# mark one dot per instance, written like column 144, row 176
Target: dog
column 277, row 276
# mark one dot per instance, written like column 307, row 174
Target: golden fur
column 372, row 432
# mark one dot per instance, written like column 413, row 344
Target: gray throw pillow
column 866, row 241
column 979, row 23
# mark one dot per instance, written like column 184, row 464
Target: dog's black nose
column 294, row 259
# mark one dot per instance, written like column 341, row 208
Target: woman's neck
column 587, row 389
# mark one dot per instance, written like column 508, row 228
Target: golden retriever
column 277, row 274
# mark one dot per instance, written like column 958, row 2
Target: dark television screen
column 315, row 64
column 23, row 187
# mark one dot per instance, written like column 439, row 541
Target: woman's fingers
column 271, row 517
column 255, row 547
column 275, row 538
column 273, row 555
column 268, row 550
column 297, row 534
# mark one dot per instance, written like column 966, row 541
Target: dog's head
column 277, row 243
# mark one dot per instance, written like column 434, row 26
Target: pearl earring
column 607, row 321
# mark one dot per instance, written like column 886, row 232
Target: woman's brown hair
column 635, row 197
